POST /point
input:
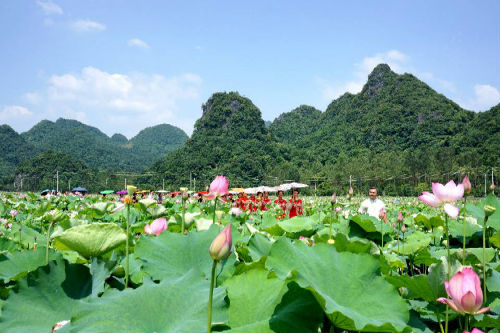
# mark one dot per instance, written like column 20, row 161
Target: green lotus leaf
column 15, row 265
column 91, row 240
column 174, row 305
column 299, row 226
column 173, row 254
column 45, row 297
column 371, row 224
column 343, row 283
column 411, row 244
column 258, row 304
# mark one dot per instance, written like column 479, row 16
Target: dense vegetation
column 397, row 134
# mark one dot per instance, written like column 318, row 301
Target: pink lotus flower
column 334, row 198
column 13, row 212
column 220, row 248
column 219, row 186
column 444, row 195
column 464, row 288
column 381, row 213
column 474, row 330
column 156, row 227
column 338, row 209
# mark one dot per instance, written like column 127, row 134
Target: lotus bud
column 347, row 196
column 403, row 228
column 464, row 288
column 338, row 209
column 381, row 213
column 334, row 198
column 400, row 217
column 394, row 224
column 351, row 191
column 467, row 185
column 131, row 190
column 489, row 210
column 492, row 187
column 220, row 248
column 156, row 227
column 474, row 330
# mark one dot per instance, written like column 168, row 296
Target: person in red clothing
column 295, row 204
column 282, row 203
column 253, row 204
column 241, row 201
column 265, row 201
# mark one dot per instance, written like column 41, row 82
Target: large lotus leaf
column 476, row 252
column 371, row 224
column 174, row 305
column 355, row 245
column 428, row 287
column 91, row 240
column 157, row 211
column 299, row 226
column 15, row 265
column 45, row 297
column 493, row 280
column 457, row 229
column 257, row 304
column 347, row 285
column 173, row 254
column 258, row 246
column 100, row 208
column 411, row 244
column 477, row 211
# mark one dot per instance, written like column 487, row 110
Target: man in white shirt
column 373, row 206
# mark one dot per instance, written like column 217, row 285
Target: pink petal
column 468, row 302
column 429, row 199
column 451, row 210
column 480, row 311
column 454, row 289
column 439, row 190
column 450, row 303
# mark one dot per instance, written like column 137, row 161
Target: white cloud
column 10, row 112
column 136, row 42
column 485, row 97
column 87, row 25
column 117, row 102
column 50, row 8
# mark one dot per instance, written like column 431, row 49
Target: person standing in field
column 295, row 204
column 281, row 203
column 373, row 206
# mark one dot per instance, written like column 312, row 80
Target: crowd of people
column 261, row 201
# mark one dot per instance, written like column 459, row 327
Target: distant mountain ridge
column 89, row 145
column 396, row 125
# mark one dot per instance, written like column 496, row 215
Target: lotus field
column 93, row 264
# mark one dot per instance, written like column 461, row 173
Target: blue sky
column 124, row 65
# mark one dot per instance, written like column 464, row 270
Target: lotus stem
column 127, row 267
column 382, row 232
column 463, row 251
column 449, row 265
column 48, row 243
column 210, row 296
column 215, row 208
column 183, row 214
column 484, row 259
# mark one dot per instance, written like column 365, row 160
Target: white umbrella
column 289, row 186
column 162, row 191
column 267, row 189
column 251, row 190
